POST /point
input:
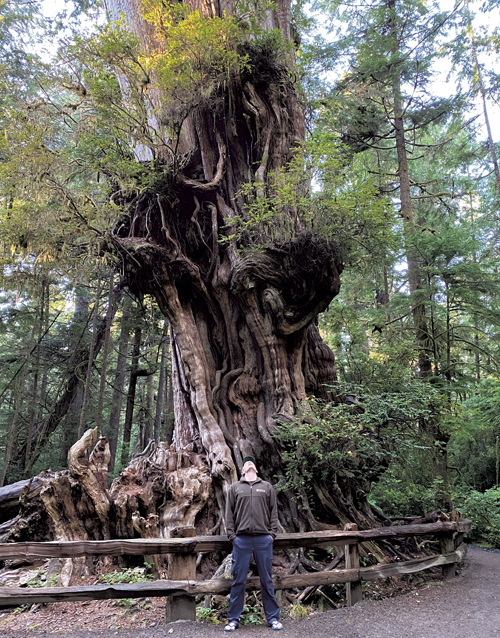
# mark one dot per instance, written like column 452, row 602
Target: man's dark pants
column 262, row 549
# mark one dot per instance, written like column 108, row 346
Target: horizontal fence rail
column 21, row 596
column 184, row 590
column 196, row 544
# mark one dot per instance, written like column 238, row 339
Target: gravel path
column 467, row 607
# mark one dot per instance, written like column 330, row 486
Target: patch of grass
column 122, row 576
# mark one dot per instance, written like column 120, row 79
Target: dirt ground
column 467, row 607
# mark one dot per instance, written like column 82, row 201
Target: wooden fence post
column 181, row 567
column 447, row 544
column 458, row 536
column 354, row 592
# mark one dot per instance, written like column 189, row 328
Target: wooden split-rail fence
column 182, row 587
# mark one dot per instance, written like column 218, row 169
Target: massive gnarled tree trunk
column 246, row 346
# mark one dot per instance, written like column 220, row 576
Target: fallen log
column 131, row 547
column 19, row 596
column 10, row 496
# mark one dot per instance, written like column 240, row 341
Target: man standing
column 252, row 525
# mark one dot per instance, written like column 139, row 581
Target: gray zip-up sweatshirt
column 251, row 509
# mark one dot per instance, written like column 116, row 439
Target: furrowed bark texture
column 246, row 347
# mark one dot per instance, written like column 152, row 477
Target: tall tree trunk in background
column 437, row 435
column 246, row 348
column 477, row 358
column 88, row 377
column 121, row 371
column 150, row 409
column 132, row 385
column 45, row 373
column 13, row 426
column 145, row 412
column 36, row 374
column 418, row 298
column 169, row 403
column 78, row 332
column 110, row 314
column 160, row 401
column 140, row 416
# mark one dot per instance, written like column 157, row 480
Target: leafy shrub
column 484, row 511
column 207, row 614
column 355, row 439
column 397, row 497
column 252, row 615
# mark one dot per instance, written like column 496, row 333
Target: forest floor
column 466, row 607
